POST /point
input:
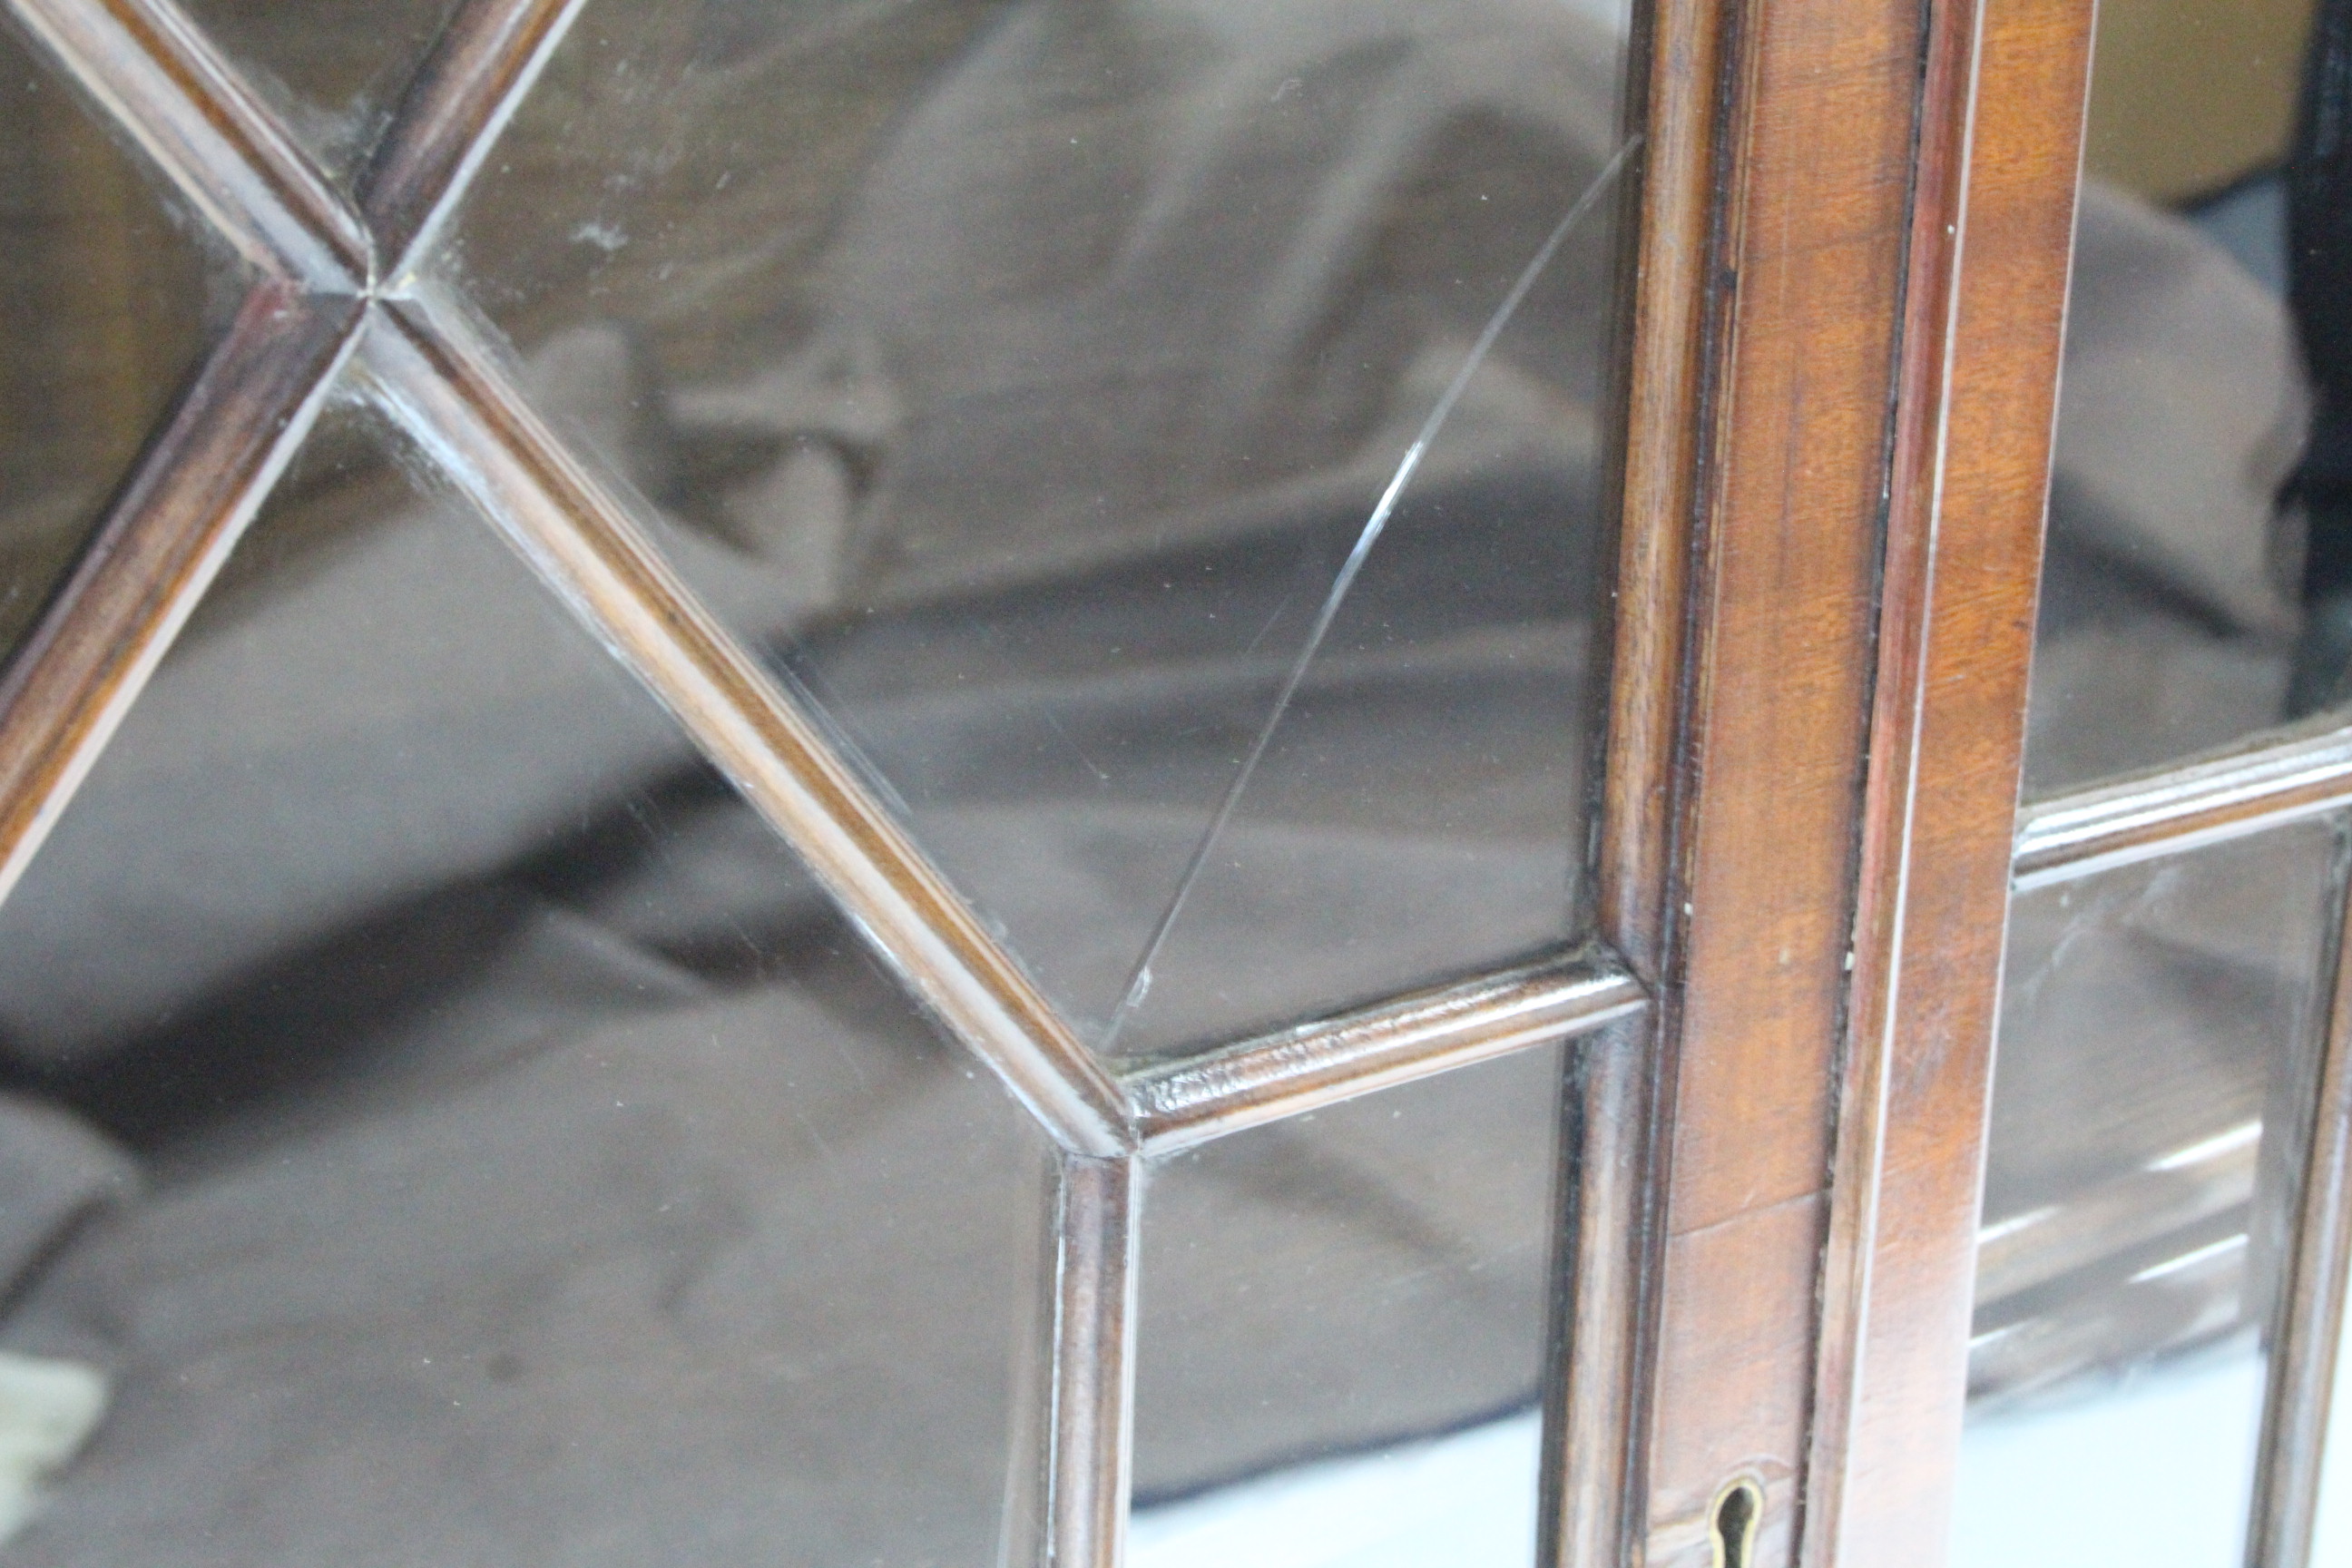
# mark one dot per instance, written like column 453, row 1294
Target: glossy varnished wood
column 1771, row 405
column 1594, row 1389
column 1812, row 215
column 2282, row 776
column 485, row 60
column 1599, row 1383
column 1676, row 63
column 446, row 387
column 163, row 84
column 1186, row 1101
column 1992, row 233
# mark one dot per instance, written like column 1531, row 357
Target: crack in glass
column 343, row 281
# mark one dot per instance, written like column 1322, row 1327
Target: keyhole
column 1737, row 1507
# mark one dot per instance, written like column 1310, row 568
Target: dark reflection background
column 1028, row 372
column 477, row 1142
column 607, row 1204
column 1019, row 375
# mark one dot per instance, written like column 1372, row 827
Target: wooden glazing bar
column 2309, row 1325
column 1090, row 1438
column 1593, row 1362
column 1677, row 58
column 1181, row 1104
column 156, row 75
column 462, row 97
column 2305, row 772
column 1594, row 1489
column 575, row 528
column 163, row 539
column 1992, row 219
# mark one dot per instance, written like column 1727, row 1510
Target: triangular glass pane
column 1023, row 376
column 333, row 70
column 533, row 1168
column 104, row 295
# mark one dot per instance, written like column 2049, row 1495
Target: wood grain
column 1740, row 1294
column 1992, row 237
column 1787, row 452
column 1604, row 1319
column 1675, row 73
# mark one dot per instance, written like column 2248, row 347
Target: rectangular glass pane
column 1343, row 1319
column 469, row 1136
column 2151, row 1099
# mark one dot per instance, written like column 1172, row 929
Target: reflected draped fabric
column 1052, row 301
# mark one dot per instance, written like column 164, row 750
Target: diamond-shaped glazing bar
column 163, row 539
column 210, row 466
column 154, row 69
column 436, row 373
column 1089, row 1430
column 149, row 65
column 1186, row 1102
column 444, row 385
column 462, row 97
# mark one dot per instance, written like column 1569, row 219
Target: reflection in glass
column 2187, row 99
column 102, row 313
column 1024, row 373
column 1342, row 1321
column 474, row 1138
column 333, row 70
column 2156, row 1079
column 2151, row 1101
column 2171, row 612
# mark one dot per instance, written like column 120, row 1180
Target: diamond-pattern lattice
column 341, row 289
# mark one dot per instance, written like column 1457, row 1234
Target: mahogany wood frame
column 1847, row 296
column 1848, row 379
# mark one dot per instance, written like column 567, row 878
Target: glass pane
column 2173, row 597
column 2331, row 1536
column 333, row 70
column 1026, row 375
column 102, row 313
column 529, row 1168
column 1342, row 1328
column 2151, row 1098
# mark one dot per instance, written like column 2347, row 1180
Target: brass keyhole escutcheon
column 1731, row 1523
